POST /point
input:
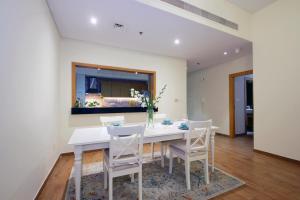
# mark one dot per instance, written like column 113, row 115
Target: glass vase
column 150, row 122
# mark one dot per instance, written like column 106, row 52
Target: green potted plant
column 149, row 101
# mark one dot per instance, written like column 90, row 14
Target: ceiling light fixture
column 237, row 50
column 225, row 53
column 177, row 41
column 93, row 20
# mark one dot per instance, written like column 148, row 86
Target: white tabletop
column 93, row 135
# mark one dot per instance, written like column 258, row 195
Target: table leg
column 162, row 155
column 212, row 146
column 152, row 149
column 77, row 172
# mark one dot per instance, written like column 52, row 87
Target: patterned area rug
column 157, row 183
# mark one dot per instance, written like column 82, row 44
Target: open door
column 232, row 125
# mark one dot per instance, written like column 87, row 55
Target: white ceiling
column 251, row 6
column 199, row 43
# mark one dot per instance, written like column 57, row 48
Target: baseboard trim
column 277, row 156
column 221, row 134
column 67, row 154
column 46, row 180
column 72, row 153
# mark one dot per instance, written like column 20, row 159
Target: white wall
column 208, row 92
column 276, row 50
column 170, row 71
column 29, row 97
column 239, row 95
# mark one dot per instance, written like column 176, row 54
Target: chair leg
column 171, row 161
column 132, row 178
column 206, row 171
column 187, row 174
column 140, row 184
column 110, row 187
column 162, row 157
column 152, row 149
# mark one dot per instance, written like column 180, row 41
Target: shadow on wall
column 93, row 120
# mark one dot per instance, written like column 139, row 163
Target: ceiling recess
column 118, row 26
column 203, row 13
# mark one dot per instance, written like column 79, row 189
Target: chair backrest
column 185, row 117
column 107, row 121
column 198, row 136
column 159, row 117
column 126, row 144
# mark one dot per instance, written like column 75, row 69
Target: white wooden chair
column 194, row 147
column 107, row 121
column 158, row 118
column 110, row 120
column 124, row 156
column 184, row 118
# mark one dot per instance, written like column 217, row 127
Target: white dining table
column 97, row 138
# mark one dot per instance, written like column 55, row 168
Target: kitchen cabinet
column 121, row 88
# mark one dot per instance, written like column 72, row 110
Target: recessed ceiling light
column 225, row 53
column 176, row 41
column 237, row 50
column 93, row 20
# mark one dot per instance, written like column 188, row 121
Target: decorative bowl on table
column 116, row 124
column 167, row 122
column 183, row 126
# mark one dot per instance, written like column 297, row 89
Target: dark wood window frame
column 152, row 75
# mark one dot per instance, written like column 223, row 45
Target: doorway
column 241, row 103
